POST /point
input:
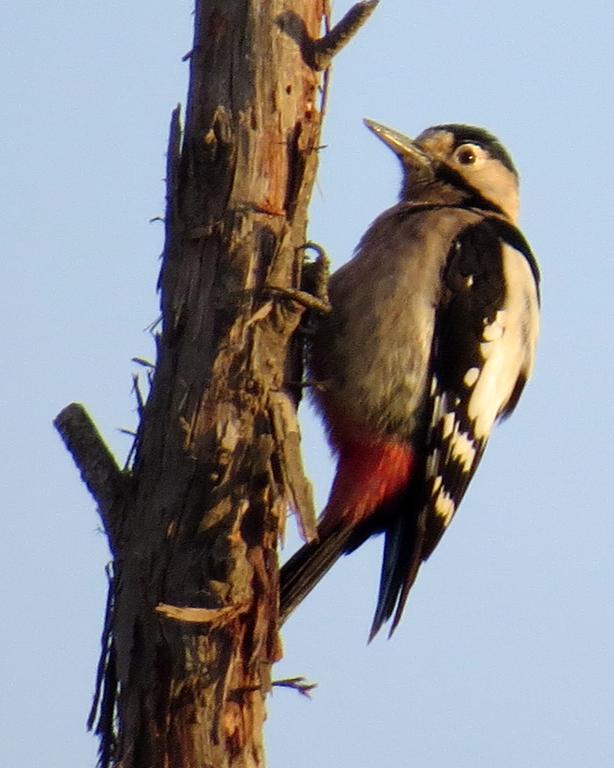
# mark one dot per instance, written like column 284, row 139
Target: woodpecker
column 430, row 340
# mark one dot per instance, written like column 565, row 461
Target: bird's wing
column 483, row 347
column 486, row 331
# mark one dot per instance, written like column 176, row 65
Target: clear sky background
column 505, row 653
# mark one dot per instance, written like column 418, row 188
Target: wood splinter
column 216, row 617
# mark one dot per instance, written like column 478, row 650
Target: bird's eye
column 466, row 155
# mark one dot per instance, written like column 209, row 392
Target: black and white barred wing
column 486, row 332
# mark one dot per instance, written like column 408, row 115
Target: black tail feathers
column 403, row 555
column 402, row 558
column 306, row 567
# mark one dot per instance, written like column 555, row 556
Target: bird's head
column 454, row 164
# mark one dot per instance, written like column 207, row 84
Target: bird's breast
column 372, row 354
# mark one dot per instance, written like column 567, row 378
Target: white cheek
column 494, row 182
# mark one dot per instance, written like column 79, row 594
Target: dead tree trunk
column 193, row 527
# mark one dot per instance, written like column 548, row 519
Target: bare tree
column 191, row 628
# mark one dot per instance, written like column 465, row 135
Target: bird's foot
column 313, row 293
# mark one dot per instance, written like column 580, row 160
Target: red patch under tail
column 368, row 475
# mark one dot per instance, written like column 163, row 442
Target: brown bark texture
column 191, row 629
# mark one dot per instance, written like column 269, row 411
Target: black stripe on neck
column 471, row 197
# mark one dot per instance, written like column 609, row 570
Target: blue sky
column 504, row 655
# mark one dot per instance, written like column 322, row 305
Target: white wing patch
column 508, row 345
column 496, row 329
column 455, row 446
column 460, row 426
column 460, row 445
column 471, row 376
column 444, row 507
